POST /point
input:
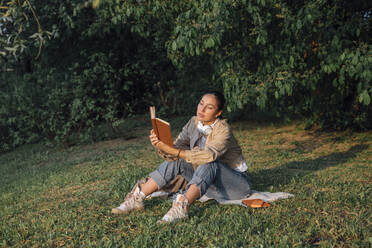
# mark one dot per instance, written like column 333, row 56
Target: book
column 161, row 128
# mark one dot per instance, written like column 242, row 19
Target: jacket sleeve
column 215, row 147
column 183, row 139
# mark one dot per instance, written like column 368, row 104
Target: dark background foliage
column 70, row 66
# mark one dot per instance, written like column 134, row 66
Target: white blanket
column 265, row 196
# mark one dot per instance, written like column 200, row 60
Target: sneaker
column 133, row 201
column 178, row 211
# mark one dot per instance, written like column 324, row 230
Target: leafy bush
column 308, row 59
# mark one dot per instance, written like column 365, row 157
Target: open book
column 161, row 128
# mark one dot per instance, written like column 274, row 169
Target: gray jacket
column 220, row 145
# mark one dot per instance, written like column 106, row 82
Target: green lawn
column 63, row 197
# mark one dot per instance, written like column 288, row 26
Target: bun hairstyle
column 220, row 99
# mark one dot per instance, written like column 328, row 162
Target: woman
column 206, row 154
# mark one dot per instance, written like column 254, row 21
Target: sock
column 143, row 196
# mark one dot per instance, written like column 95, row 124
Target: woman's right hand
column 153, row 138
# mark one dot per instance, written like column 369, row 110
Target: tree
column 103, row 60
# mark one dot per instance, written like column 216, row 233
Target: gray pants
column 215, row 179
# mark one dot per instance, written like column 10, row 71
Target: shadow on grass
column 283, row 174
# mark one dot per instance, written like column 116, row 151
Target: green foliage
column 109, row 59
column 311, row 59
column 20, row 29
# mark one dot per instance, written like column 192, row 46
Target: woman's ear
column 219, row 113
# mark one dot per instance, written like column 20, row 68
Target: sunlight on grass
column 57, row 197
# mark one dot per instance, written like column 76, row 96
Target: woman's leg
column 192, row 194
column 149, row 187
column 229, row 184
column 201, row 179
column 165, row 173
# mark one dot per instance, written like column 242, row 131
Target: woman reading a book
column 206, row 154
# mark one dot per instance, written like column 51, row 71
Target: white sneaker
column 133, row 201
column 178, row 211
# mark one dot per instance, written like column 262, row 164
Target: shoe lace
column 130, row 199
column 178, row 209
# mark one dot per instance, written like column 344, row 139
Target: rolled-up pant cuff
column 158, row 178
column 199, row 183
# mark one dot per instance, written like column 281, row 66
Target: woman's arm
column 164, row 149
column 181, row 144
column 216, row 145
column 178, row 153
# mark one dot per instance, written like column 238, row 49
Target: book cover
column 161, row 128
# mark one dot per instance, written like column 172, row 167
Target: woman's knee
column 165, row 172
column 206, row 173
column 167, row 166
column 207, row 169
column 203, row 176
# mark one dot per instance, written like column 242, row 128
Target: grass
column 63, row 197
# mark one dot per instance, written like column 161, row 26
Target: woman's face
column 207, row 111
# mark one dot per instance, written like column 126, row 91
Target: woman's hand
column 164, row 148
column 153, row 138
column 157, row 143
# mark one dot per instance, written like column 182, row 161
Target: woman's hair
column 219, row 97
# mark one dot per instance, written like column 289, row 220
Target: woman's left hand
column 153, row 138
column 158, row 144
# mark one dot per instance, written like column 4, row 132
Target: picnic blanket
column 264, row 196
column 179, row 183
